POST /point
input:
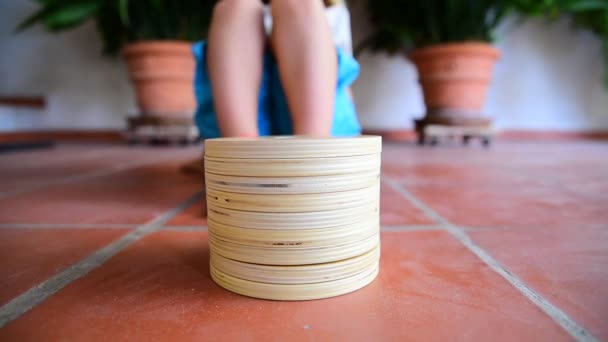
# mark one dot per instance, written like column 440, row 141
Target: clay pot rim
column 456, row 48
column 157, row 46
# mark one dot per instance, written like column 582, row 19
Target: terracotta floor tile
column 129, row 196
column 29, row 256
column 583, row 178
column 63, row 153
column 510, row 185
column 396, row 210
column 156, row 173
column 569, row 266
column 449, row 174
column 95, row 203
column 509, row 206
column 31, row 168
column 196, row 215
column 411, row 154
column 503, row 153
column 430, row 288
column 39, row 167
column 84, row 161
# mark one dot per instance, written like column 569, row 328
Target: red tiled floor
column 429, row 288
column 155, row 174
column 55, row 155
column 29, row 256
column 130, row 196
column 510, row 185
column 518, row 153
column 569, row 266
column 584, row 177
column 449, row 174
column 94, row 203
column 66, row 162
column 549, row 199
column 35, row 168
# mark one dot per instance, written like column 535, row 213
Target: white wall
column 83, row 89
column 550, row 78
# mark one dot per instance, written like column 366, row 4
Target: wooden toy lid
column 292, row 147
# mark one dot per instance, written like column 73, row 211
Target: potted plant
column 451, row 43
column 451, row 47
column 154, row 38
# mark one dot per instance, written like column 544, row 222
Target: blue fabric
column 274, row 117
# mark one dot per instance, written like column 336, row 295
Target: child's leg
column 303, row 45
column 234, row 60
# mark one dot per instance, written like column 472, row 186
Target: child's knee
column 297, row 8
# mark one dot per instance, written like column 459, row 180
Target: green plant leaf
column 583, row 5
column 123, row 10
column 72, row 15
column 123, row 21
column 59, row 15
column 33, row 19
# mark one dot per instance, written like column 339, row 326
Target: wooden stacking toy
column 293, row 218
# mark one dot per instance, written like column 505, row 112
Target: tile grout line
column 495, row 228
column 36, row 295
column 575, row 330
column 87, row 176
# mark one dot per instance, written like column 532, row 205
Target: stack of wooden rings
column 293, row 218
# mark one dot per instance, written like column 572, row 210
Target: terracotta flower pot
column 455, row 78
column 162, row 73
